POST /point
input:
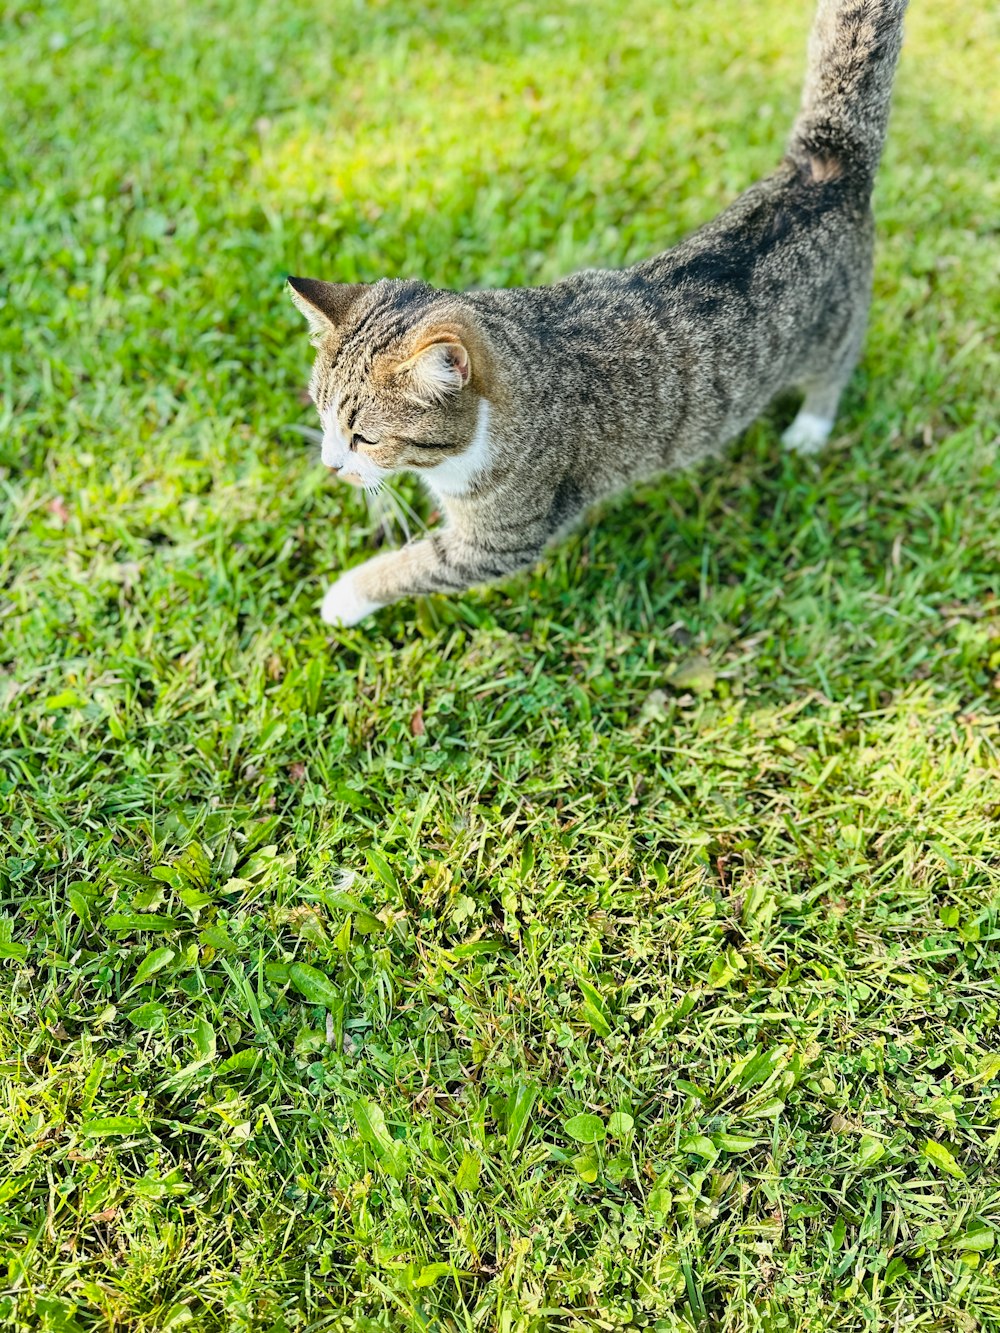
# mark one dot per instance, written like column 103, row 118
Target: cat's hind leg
column 823, row 386
column 811, row 428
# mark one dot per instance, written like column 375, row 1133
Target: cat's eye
column 360, row 439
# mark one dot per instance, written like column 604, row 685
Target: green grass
column 652, row 900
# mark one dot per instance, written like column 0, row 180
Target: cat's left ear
column 325, row 304
column 439, row 367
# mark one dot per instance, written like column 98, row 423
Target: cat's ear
column 439, row 367
column 324, row 304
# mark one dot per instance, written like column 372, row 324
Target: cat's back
column 781, row 243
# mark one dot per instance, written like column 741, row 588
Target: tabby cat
column 522, row 407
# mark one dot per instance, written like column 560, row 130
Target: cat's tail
column 842, row 121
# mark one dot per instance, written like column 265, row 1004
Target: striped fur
column 609, row 377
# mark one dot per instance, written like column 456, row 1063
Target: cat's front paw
column 344, row 605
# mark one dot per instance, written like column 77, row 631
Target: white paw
column 807, row 434
column 344, row 605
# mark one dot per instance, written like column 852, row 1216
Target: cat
column 522, row 407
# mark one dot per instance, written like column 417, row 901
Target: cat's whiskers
column 391, row 503
column 380, row 509
column 407, row 510
column 397, row 513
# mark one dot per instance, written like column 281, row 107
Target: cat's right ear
column 324, row 304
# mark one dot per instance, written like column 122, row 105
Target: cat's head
column 398, row 377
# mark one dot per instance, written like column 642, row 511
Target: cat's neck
column 455, row 477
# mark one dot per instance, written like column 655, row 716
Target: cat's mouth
column 352, row 478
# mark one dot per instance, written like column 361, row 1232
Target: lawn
column 614, row 948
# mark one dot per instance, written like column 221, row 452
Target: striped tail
column 842, row 121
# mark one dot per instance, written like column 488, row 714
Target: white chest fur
column 455, row 476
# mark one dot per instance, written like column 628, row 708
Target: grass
column 613, row 949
